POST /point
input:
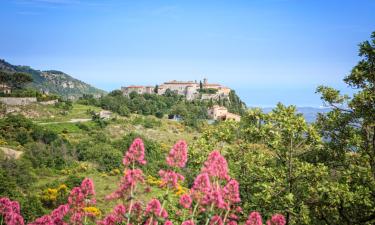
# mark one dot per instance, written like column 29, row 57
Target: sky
column 269, row 51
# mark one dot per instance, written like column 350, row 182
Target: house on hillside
column 221, row 113
column 5, row 89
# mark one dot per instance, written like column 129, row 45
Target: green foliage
column 350, row 147
column 207, row 90
column 193, row 113
column 16, row 176
column 16, row 80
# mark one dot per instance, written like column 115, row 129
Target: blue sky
column 267, row 50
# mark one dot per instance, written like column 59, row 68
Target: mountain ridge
column 54, row 81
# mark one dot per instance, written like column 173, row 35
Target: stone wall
column 17, row 101
column 50, row 102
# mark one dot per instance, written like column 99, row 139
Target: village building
column 138, row 89
column 190, row 89
column 5, row 89
column 221, row 113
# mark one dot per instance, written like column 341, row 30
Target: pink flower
column 170, row 178
column 201, row 186
column 254, row 219
column 232, row 222
column 185, row 201
column 232, row 192
column 216, row 220
column 108, row 220
column 60, row 212
column 117, row 216
column 216, row 166
column 168, row 222
column 177, row 157
column 154, row 208
column 13, row 218
column 10, row 210
column 87, row 187
column 188, row 222
column 128, row 181
column 151, row 221
column 277, row 219
column 136, row 153
column 233, row 216
column 137, row 209
column 76, row 218
column 44, row 220
column 76, row 197
column 215, row 197
column 55, row 218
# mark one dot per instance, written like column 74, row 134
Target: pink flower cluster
column 135, row 153
column 10, row 211
column 154, row 209
column 170, row 178
column 129, row 180
column 185, row 201
column 79, row 198
column 207, row 189
column 177, row 157
column 116, row 217
column 256, row 219
column 55, row 218
column 216, row 166
column 277, row 219
column 213, row 193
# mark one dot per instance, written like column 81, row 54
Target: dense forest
column 272, row 167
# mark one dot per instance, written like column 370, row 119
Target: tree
column 5, row 77
column 349, row 129
column 18, row 80
column 156, row 89
column 289, row 137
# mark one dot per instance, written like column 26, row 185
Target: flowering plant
column 213, row 198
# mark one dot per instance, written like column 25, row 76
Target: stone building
column 187, row 88
column 138, row 89
column 221, row 113
column 190, row 89
column 5, row 89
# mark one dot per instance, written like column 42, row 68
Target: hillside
column 54, row 81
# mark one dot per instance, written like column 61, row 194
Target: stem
column 208, row 219
column 131, row 200
column 226, row 215
column 183, row 217
column 195, row 209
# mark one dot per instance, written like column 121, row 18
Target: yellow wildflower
column 92, row 211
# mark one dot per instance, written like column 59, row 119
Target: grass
column 50, row 113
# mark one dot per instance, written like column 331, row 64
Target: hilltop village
column 191, row 90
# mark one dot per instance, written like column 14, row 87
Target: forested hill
column 54, row 81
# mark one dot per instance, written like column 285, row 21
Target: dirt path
column 70, row 121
